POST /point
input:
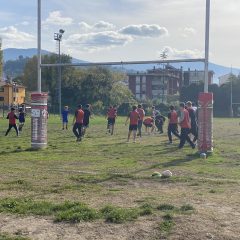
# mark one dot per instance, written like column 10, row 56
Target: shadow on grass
column 180, row 161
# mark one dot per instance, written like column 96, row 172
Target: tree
column 97, row 85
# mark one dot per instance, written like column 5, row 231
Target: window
column 137, row 88
column 137, row 80
column 1, row 89
column 14, row 99
column 1, row 99
column 138, row 96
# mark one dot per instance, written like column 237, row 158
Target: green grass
column 114, row 214
column 103, row 170
column 166, row 207
column 4, row 236
column 166, row 226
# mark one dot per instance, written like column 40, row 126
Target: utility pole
column 58, row 38
column 231, row 94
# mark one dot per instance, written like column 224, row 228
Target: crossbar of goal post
column 89, row 64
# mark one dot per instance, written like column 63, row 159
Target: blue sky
column 112, row 30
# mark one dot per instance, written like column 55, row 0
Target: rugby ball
column 203, row 155
column 166, row 174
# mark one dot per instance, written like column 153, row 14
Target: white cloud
column 182, row 54
column 144, row 30
column 12, row 36
column 103, row 25
column 99, row 26
column 97, row 41
column 85, row 27
column 188, row 31
column 56, row 18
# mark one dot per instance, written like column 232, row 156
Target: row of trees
column 221, row 94
column 97, row 86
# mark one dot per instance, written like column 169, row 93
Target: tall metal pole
column 231, row 94
column 39, row 83
column 59, row 79
column 207, row 46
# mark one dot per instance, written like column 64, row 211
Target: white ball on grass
column 203, row 155
column 167, row 174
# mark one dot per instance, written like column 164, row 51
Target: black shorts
column 111, row 121
column 133, row 127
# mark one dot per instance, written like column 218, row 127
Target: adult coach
column 78, row 123
column 111, row 117
column 184, row 122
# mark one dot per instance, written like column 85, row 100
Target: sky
column 122, row 30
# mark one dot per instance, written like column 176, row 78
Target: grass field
column 102, row 188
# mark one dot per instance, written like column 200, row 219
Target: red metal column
column 205, row 122
column 39, row 120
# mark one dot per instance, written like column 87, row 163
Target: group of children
column 186, row 119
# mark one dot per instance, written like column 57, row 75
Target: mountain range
column 14, row 53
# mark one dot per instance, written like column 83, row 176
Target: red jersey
column 12, row 118
column 112, row 113
column 173, row 117
column 148, row 121
column 186, row 120
column 141, row 113
column 134, row 117
column 79, row 114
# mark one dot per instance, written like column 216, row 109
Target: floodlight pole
column 207, row 46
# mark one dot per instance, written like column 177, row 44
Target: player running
column 134, row 117
column 184, row 122
column 192, row 115
column 111, row 117
column 21, row 119
column 172, row 124
column 86, row 118
column 159, row 122
column 12, row 121
column 78, row 123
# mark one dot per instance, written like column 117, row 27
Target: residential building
column 196, row 76
column 157, row 83
column 11, row 94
